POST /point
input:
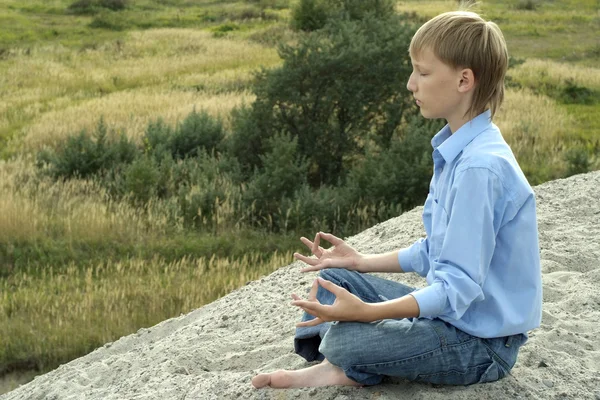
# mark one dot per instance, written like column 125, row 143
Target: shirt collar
column 450, row 145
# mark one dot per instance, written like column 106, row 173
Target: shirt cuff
column 431, row 300
column 405, row 260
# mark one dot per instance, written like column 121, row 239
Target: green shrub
column 529, row 5
column 248, row 139
column 335, row 87
column 578, row 160
column 157, row 139
column 312, row 15
column 141, row 179
column 326, row 208
column 83, row 156
column 115, row 5
column 110, row 20
column 309, row 15
column 361, row 9
column 398, row 174
column 197, row 131
column 206, row 194
column 95, row 6
column 282, row 172
column 572, row 93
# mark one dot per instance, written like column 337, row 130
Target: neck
column 459, row 117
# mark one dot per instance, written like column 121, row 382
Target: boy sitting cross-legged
column 480, row 256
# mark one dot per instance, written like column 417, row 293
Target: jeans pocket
column 453, row 377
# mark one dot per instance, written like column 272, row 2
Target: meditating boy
column 480, row 256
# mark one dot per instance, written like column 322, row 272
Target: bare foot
column 324, row 374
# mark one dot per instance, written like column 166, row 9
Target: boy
column 480, row 257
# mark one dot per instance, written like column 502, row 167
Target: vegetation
column 157, row 155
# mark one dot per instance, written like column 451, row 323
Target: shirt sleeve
column 458, row 274
column 415, row 258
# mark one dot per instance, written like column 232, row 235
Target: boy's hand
column 340, row 256
column 346, row 307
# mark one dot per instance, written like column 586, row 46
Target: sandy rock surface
column 213, row 352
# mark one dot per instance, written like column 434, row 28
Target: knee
column 335, row 344
column 335, row 274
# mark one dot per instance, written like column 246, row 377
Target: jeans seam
column 441, row 337
column 496, row 357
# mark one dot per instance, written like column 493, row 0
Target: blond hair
column 462, row 39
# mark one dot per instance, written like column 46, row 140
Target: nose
column 410, row 85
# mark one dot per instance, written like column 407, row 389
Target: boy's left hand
column 346, row 307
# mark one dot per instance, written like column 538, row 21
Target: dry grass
column 126, row 110
column 33, row 208
column 54, row 91
column 533, row 125
column 534, row 71
column 51, row 316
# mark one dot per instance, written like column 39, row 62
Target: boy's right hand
column 339, row 256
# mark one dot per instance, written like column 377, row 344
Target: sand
column 213, row 352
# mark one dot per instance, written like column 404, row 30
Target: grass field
column 78, row 269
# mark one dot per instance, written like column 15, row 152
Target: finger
column 312, row 268
column 312, row 295
column 331, row 239
column 310, row 312
column 310, row 307
column 306, row 242
column 308, row 260
column 317, row 252
column 330, row 286
column 315, row 246
column 312, row 322
column 296, row 297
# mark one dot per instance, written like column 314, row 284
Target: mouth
column 418, row 102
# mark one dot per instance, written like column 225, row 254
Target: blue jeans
column 416, row 349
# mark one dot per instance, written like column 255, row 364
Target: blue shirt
column 481, row 254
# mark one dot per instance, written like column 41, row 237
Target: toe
column 261, row 380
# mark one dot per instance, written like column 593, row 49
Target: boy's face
column 435, row 86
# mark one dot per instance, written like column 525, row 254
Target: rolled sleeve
column 431, row 300
column 415, row 258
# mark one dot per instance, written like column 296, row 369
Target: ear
column 466, row 80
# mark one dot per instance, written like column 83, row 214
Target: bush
column 224, row 29
column 282, row 172
column 206, row 194
column 95, row 6
column 141, row 179
column 312, row 15
column 529, row 5
column 248, row 139
column 83, row 156
column 197, row 131
column 335, row 87
column 572, row 93
column 309, row 15
column 110, row 20
column 578, row 160
column 326, row 208
column 157, row 139
column 115, row 5
column 398, row 174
